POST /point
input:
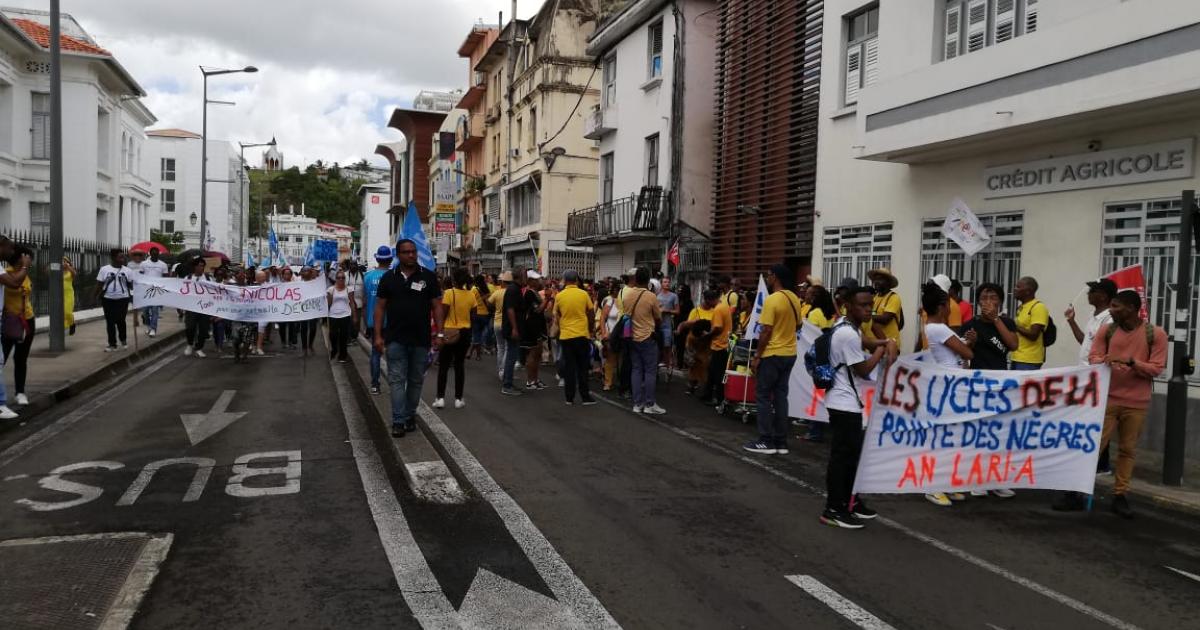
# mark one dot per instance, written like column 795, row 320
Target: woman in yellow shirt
column 479, row 317
column 68, row 295
column 699, row 325
column 822, row 313
column 456, row 328
column 19, row 303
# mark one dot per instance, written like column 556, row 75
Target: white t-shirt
column 116, row 282
column 153, row 268
column 614, row 313
column 354, row 284
column 938, row 334
column 341, row 302
column 1089, row 334
column 845, row 351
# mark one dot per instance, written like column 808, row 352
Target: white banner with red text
column 935, row 429
column 805, row 401
column 281, row 302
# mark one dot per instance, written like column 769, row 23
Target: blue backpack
column 818, row 363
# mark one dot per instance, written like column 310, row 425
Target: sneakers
column 200, row 354
column 110, row 348
column 398, row 430
column 570, row 403
column 22, row 399
column 862, row 511
column 1004, row 493
column 187, row 352
column 439, row 403
column 375, row 390
column 151, row 333
column 124, row 347
column 539, row 385
column 638, row 409
column 6, row 413
column 589, row 401
column 1069, row 502
column 1120, row 506
column 838, row 518
column 562, row 382
column 258, row 351
column 761, row 446
column 938, row 498
column 459, row 403
column 654, row 410
column 979, row 493
column 957, row 496
column 511, row 391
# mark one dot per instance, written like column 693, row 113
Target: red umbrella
column 211, row 254
column 146, row 245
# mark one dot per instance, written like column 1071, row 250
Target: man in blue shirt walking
column 383, row 258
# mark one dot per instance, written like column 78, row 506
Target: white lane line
column 852, row 612
column 1183, row 573
column 966, row 556
column 417, row 583
column 86, row 410
column 566, row 586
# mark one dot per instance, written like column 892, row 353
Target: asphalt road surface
column 595, row 517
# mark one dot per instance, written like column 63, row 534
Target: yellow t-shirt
column 722, row 319
column 460, row 303
column 1031, row 350
column 480, row 301
column 572, row 307
column 730, row 299
column 955, row 319
column 888, row 303
column 817, row 317
column 805, row 309
column 13, row 298
column 700, row 312
column 780, row 311
column 496, row 299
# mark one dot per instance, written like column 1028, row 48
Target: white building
column 656, row 165
column 107, row 191
column 176, row 157
column 375, row 228
column 295, row 233
column 1068, row 126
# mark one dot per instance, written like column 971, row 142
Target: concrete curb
column 421, row 462
column 1139, row 491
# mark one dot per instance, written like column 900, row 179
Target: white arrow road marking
column 201, row 426
column 852, row 612
column 494, row 602
column 1183, row 573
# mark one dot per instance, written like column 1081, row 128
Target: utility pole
column 58, row 339
column 511, row 64
column 1177, row 386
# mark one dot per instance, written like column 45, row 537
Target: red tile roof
column 173, row 133
column 40, row 33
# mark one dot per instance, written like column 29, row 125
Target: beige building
column 539, row 164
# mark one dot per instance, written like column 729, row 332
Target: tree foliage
column 327, row 192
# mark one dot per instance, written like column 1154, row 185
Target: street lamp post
column 58, row 341
column 209, row 72
column 244, row 193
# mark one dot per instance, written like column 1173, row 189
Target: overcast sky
column 330, row 71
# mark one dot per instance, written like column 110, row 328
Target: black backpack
column 818, row 363
column 1050, row 334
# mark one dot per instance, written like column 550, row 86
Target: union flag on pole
column 673, row 254
column 1132, row 278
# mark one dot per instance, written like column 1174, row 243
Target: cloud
column 329, row 72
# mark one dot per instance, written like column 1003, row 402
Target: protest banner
column 283, row 302
column 964, row 228
column 936, row 429
column 325, row 250
column 805, row 401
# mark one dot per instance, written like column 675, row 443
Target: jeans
column 376, row 358
column 844, row 449
column 645, row 371
column 1025, row 367
column 406, row 376
column 114, row 319
column 3, row 392
column 21, row 355
column 196, row 328
column 512, row 353
column 479, row 324
column 1126, row 424
column 220, row 328
column 152, row 313
column 501, row 348
column 771, row 389
column 715, row 389
column 454, row 356
column 576, row 359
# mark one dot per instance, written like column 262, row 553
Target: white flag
column 759, row 300
column 964, row 228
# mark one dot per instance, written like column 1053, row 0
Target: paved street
column 618, row 518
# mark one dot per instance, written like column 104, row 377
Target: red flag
column 673, row 254
column 1132, row 278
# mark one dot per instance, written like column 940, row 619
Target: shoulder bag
column 13, row 328
column 451, row 335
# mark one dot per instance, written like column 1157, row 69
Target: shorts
column 668, row 335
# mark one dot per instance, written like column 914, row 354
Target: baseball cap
column 533, row 275
column 1105, row 286
column 943, row 281
column 383, row 253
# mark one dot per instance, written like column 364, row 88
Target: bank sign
column 1115, row 167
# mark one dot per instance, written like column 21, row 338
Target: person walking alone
column 459, row 303
column 645, row 316
column 114, row 287
column 773, row 361
column 576, row 315
column 343, row 317
column 383, row 262
column 409, row 297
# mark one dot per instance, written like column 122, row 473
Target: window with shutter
column 610, row 81
column 40, row 126
column 976, row 25
column 655, row 37
column 870, row 62
column 853, row 74
column 1031, row 15
column 1004, row 21
column 953, row 32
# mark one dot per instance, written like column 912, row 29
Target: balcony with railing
column 600, row 121
column 469, row 136
column 640, row 216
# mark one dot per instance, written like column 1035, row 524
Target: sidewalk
column 55, row 377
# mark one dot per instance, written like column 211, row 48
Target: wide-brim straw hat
column 883, row 273
column 506, row 276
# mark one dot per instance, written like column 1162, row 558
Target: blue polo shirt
column 371, row 288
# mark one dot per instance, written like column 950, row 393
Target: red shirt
column 1131, row 386
column 968, row 312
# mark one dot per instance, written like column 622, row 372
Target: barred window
column 852, row 251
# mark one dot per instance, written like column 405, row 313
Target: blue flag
column 310, row 258
column 250, row 262
column 413, row 231
column 273, row 242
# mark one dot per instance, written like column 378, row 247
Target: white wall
column 374, row 227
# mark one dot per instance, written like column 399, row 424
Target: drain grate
column 68, row 582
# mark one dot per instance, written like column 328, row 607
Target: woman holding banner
column 945, row 347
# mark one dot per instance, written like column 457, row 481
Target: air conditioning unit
column 516, row 153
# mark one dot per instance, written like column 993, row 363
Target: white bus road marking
column 852, row 612
column 1185, row 574
column 966, row 556
column 85, row 410
column 201, row 426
